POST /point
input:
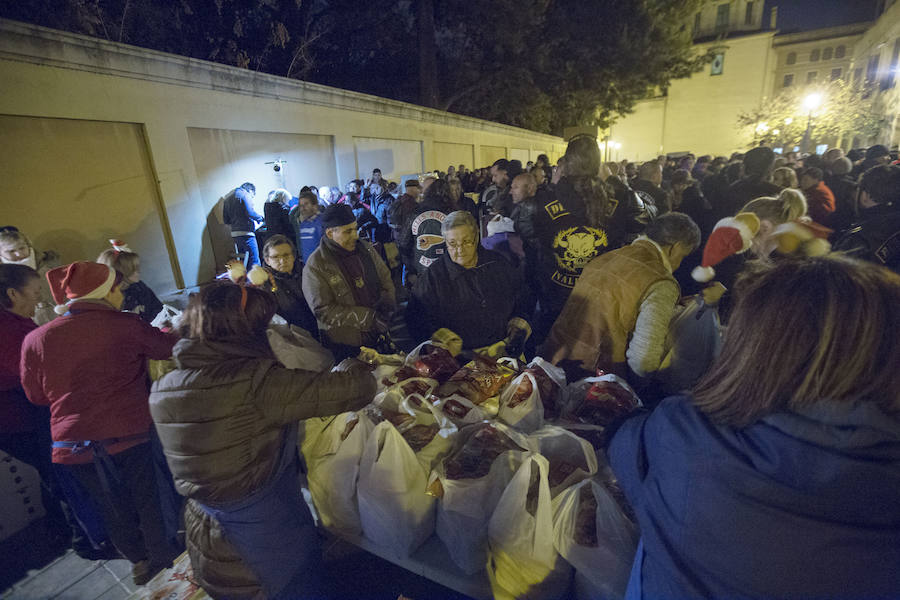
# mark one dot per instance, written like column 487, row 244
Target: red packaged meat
column 401, row 374
column 585, row 533
column 481, row 378
column 604, row 401
column 435, row 362
column 474, row 458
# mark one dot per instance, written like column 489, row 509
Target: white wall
column 170, row 99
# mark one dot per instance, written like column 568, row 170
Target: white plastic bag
column 571, row 458
column 602, row 557
column 295, row 348
column 523, row 562
column 521, row 408
column 332, row 448
column 462, row 411
column 394, row 510
column 619, row 399
column 168, row 314
column 465, row 505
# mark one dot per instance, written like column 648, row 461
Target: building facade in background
column 753, row 62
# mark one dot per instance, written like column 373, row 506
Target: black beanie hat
column 337, row 215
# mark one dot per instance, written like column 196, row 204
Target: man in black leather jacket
column 876, row 235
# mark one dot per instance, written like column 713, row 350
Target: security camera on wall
column 277, row 165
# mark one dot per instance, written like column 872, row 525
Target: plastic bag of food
column 394, row 510
column 551, row 382
column 523, row 563
column 572, row 459
column 332, row 448
column 520, row 404
column 432, row 360
column 479, row 380
column 600, row 400
column 468, row 484
column 594, row 536
column 295, row 348
column 461, row 411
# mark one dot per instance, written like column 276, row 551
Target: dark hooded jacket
column 797, row 505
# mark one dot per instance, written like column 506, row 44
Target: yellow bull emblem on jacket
column 427, row 240
column 578, row 247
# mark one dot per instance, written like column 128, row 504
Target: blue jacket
column 308, row 235
column 797, row 505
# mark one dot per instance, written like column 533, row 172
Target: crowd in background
column 588, row 264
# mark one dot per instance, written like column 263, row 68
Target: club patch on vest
column 555, row 210
column 573, row 249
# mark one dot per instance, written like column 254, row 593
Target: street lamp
column 810, row 103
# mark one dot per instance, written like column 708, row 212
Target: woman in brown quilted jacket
column 227, row 418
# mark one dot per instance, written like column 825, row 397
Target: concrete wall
column 190, row 131
column 700, row 113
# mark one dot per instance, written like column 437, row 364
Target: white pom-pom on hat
column 730, row 236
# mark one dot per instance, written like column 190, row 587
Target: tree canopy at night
column 842, row 111
column 538, row 64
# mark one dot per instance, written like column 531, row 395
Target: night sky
column 799, row 15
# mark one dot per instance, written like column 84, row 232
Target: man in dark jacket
column 470, row 290
column 844, row 189
column 276, row 213
column 401, row 210
column 348, row 286
column 238, row 213
column 876, row 235
column 755, row 183
column 286, row 282
column 420, row 241
column 647, row 187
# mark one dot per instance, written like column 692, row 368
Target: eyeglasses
column 454, row 245
column 280, row 257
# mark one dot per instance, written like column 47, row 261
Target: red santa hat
column 730, row 236
column 79, row 281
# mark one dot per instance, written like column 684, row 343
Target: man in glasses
column 286, row 282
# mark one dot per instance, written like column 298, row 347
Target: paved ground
column 32, row 569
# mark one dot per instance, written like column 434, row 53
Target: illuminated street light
column 812, row 101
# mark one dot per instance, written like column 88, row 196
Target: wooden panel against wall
column 449, row 153
column 224, row 159
column 395, row 158
column 489, row 154
column 71, row 185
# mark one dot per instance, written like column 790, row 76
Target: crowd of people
column 769, row 466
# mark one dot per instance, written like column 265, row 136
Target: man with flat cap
column 348, row 286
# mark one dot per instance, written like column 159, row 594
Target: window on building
column 839, row 52
column 872, row 69
column 748, row 15
column 723, row 15
column 835, row 74
column 811, row 76
column 871, row 74
column 826, row 54
column 891, row 78
column 696, row 23
column 814, row 55
column 788, row 80
column 791, row 58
